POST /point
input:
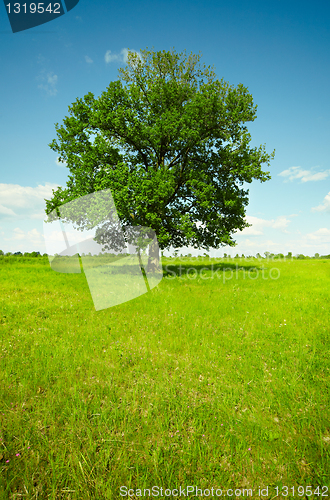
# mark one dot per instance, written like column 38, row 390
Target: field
column 214, row 379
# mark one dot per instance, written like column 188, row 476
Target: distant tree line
column 267, row 255
column 20, row 254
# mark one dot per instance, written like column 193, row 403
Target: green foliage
column 170, row 141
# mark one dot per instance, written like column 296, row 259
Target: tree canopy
column 170, row 141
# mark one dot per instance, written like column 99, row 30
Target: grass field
column 212, row 379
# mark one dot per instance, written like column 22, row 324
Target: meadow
column 217, row 379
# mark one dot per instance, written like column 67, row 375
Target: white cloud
column 88, row 59
column 258, row 225
column 316, row 177
column 33, row 237
column 256, row 228
column 18, row 234
column 122, row 56
column 325, row 206
column 267, row 245
column 304, row 175
column 110, row 57
column 24, row 201
column 6, row 210
column 281, row 223
column 51, row 79
column 322, row 235
column 124, row 53
column 49, row 82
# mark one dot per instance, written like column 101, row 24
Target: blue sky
column 280, row 50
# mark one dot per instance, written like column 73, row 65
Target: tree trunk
column 153, row 258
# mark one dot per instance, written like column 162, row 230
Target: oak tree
column 170, row 140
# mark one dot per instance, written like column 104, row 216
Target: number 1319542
column 34, row 8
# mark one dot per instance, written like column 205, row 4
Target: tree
column 169, row 140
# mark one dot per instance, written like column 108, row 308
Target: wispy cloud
column 294, row 173
column 322, row 235
column 27, row 238
column 258, row 225
column 121, row 57
column 41, row 59
column 18, row 234
column 48, row 82
column 88, row 60
column 325, row 206
column 272, row 235
column 6, row 211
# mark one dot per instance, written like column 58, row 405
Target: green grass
column 219, row 382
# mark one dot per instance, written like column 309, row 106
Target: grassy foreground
column 206, row 381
